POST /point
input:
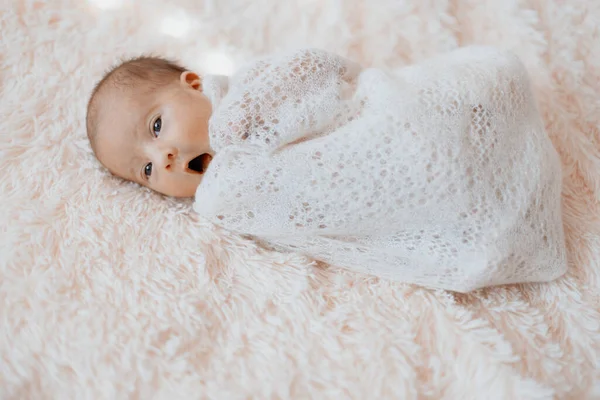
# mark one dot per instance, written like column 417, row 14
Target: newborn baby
column 438, row 174
column 147, row 122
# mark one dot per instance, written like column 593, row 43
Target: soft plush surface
column 110, row 291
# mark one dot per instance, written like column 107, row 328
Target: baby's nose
column 169, row 158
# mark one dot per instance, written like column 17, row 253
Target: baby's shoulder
column 283, row 64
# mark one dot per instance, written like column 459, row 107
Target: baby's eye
column 148, row 170
column 156, row 126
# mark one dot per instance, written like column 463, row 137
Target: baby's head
column 147, row 121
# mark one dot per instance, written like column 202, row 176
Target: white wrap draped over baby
column 438, row 174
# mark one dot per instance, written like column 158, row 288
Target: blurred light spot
column 107, row 4
column 218, row 63
column 175, row 25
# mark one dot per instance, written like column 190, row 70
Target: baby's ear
column 191, row 79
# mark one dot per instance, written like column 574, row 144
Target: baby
column 147, row 122
column 438, row 174
column 148, row 98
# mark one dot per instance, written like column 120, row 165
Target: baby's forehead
column 119, row 112
column 128, row 89
column 117, row 109
column 117, row 97
column 109, row 103
column 127, row 93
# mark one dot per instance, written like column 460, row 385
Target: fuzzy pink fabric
column 110, row 291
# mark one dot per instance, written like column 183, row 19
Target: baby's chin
column 179, row 192
column 187, row 193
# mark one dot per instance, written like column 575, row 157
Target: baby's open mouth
column 200, row 163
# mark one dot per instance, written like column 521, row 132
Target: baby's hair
column 152, row 72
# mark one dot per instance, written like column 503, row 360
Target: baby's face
column 158, row 139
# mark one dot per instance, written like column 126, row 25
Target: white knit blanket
column 439, row 174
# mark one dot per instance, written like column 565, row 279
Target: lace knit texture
column 438, row 174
